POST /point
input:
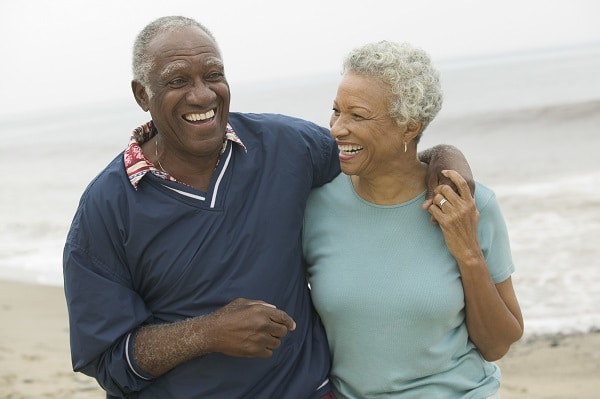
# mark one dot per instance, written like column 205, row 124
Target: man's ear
column 141, row 97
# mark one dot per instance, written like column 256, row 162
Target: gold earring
column 405, row 146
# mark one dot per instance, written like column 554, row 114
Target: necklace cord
column 157, row 158
column 163, row 169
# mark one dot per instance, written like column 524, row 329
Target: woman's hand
column 457, row 216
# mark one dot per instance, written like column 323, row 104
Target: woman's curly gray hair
column 416, row 93
column 142, row 61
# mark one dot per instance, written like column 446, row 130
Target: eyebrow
column 213, row 61
column 169, row 69
column 176, row 66
column 353, row 108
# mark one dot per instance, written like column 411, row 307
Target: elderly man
column 183, row 266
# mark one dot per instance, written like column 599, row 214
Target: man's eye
column 336, row 112
column 177, row 82
column 213, row 76
column 357, row 117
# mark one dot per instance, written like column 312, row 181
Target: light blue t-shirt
column 390, row 295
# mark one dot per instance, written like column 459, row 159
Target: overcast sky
column 60, row 53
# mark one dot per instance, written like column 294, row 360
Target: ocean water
column 529, row 125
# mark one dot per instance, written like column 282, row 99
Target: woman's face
column 369, row 140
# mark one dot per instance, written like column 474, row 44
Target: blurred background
column 522, row 100
column 69, row 53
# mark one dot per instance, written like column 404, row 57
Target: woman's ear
column 140, row 94
column 413, row 129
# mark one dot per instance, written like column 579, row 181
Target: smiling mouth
column 348, row 149
column 195, row 117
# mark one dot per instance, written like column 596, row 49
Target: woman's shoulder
column 483, row 193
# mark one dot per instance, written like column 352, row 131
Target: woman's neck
column 392, row 188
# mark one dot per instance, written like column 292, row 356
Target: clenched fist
column 248, row 328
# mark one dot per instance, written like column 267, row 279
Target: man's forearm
column 242, row 328
column 160, row 348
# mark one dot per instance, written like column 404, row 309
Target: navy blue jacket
column 152, row 255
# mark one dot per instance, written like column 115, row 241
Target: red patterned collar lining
column 137, row 165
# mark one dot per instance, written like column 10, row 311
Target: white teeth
column 200, row 117
column 349, row 148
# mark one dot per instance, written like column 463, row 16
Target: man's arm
column 114, row 337
column 444, row 157
column 243, row 328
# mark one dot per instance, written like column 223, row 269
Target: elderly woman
column 412, row 309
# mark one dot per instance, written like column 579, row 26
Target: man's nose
column 200, row 93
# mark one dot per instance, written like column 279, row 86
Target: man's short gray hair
column 142, row 61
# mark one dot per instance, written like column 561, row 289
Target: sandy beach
column 35, row 359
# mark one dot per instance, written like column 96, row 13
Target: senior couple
column 185, row 266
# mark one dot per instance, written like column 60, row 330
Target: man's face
column 189, row 100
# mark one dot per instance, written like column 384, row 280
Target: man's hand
column 444, row 157
column 248, row 328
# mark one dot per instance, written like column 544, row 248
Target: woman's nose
column 337, row 127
